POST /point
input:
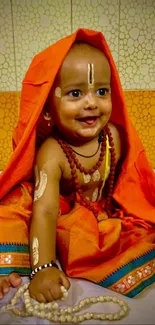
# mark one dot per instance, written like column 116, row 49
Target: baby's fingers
column 48, row 295
column 56, row 291
column 5, row 286
column 64, row 281
column 40, row 297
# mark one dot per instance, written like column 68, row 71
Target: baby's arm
column 45, row 285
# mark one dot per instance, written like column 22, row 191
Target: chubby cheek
column 68, row 110
column 106, row 110
column 106, row 107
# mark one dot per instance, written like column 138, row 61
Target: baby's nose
column 90, row 101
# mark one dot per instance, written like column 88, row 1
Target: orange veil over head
column 135, row 188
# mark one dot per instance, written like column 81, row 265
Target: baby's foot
column 7, row 281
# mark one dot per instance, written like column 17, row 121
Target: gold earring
column 47, row 117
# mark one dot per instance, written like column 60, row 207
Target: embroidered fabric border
column 141, row 287
column 19, row 270
column 20, row 248
column 133, row 265
column 136, row 278
column 14, row 258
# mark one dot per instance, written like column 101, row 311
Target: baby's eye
column 103, row 91
column 75, row 93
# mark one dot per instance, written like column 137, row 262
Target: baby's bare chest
column 87, row 173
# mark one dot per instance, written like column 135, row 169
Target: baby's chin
column 81, row 134
column 87, row 134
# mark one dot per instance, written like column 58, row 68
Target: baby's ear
column 44, row 128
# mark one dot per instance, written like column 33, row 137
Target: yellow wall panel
column 9, row 108
column 141, row 108
column 140, row 104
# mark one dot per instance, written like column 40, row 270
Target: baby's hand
column 45, row 285
column 7, row 281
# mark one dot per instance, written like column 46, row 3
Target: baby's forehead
column 83, row 51
column 83, row 48
column 78, row 62
column 83, row 54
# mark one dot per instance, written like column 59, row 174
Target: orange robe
column 118, row 253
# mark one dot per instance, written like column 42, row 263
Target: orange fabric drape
column 136, row 171
column 135, row 188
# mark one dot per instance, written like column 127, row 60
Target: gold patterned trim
column 14, row 260
column 134, row 278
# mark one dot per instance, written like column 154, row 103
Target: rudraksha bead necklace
column 108, row 205
column 75, row 164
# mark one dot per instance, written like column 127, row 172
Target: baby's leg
column 7, row 281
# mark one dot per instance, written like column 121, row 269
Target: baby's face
column 81, row 99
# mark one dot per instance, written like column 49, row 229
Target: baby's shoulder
column 50, row 144
column 114, row 130
column 51, row 151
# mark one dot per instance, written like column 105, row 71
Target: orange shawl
column 135, row 188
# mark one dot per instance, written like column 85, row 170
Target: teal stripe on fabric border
column 117, row 275
column 14, row 248
column 141, row 287
column 19, row 270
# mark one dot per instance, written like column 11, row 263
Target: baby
column 80, row 108
column 91, row 172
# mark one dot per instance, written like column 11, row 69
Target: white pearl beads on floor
column 53, row 313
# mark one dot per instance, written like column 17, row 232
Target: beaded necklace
column 75, row 164
column 53, row 313
column 94, row 154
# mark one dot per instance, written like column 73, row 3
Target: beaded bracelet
column 37, row 269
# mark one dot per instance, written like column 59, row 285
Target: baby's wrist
column 44, row 266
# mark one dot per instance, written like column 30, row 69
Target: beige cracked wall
column 29, row 26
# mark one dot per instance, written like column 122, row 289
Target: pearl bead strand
column 53, row 313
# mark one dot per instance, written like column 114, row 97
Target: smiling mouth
column 89, row 120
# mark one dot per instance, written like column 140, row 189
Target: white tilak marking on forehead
column 58, row 92
column 90, row 75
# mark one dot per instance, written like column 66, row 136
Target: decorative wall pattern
column 99, row 15
column 28, row 26
column 37, row 24
column 137, row 44
column 141, row 108
column 7, row 58
column 9, row 110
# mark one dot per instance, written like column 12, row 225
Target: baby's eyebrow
column 103, row 84
column 73, row 85
column 77, row 85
